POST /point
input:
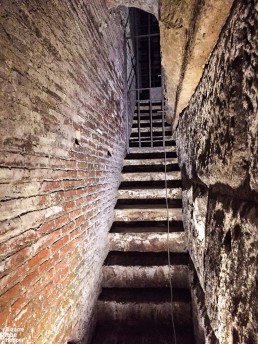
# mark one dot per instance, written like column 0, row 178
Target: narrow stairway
column 135, row 303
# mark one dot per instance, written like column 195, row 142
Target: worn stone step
column 147, row 121
column 147, row 176
column 156, row 133
column 118, row 276
column 153, row 184
column 146, row 108
column 146, row 124
column 153, row 150
column 148, row 305
column 148, row 144
column 156, row 114
column 140, row 334
column 146, row 226
column 145, row 270
column 148, row 138
column 149, row 193
column 146, row 111
column 146, row 129
column 137, row 162
column 148, row 242
column 146, row 116
column 147, row 213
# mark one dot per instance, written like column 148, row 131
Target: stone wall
column 62, row 144
column 189, row 30
column 217, row 147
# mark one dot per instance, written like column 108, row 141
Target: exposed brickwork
column 217, row 140
column 62, row 144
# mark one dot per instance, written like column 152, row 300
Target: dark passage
column 135, row 305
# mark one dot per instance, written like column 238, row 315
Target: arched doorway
column 144, row 79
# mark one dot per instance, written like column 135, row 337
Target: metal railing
column 136, row 85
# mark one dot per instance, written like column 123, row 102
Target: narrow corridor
column 85, row 90
column 135, row 303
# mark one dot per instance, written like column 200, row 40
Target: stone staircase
column 135, row 303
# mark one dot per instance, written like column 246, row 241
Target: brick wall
column 217, row 143
column 62, row 144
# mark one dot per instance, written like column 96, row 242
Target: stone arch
column 151, row 6
column 183, row 55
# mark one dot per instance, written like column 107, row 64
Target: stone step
column 148, row 242
column 148, row 305
column 146, row 129
column 148, row 143
column 146, row 124
column 146, row 108
column 145, row 116
column 144, row 270
column 140, row 334
column 147, row 121
column 149, row 193
column 147, row 214
column 118, row 276
column 147, row 176
column 131, row 162
column 148, row 138
column 153, row 150
column 156, row 133
column 146, row 226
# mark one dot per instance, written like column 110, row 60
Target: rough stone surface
column 175, row 22
column 189, row 30
column 62, row 147
column 217, row 148
column 150, row 150
column 173, row 193
column 148, row 176
column 148, row 242
column 222, row 118
column 146, row 214
column 150, row 161
column 210, row 16
column 118, row 276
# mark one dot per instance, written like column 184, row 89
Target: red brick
column 62, row 220
column 47, row 227
column 58, row 244
column 38, row 258
column 11, row 295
